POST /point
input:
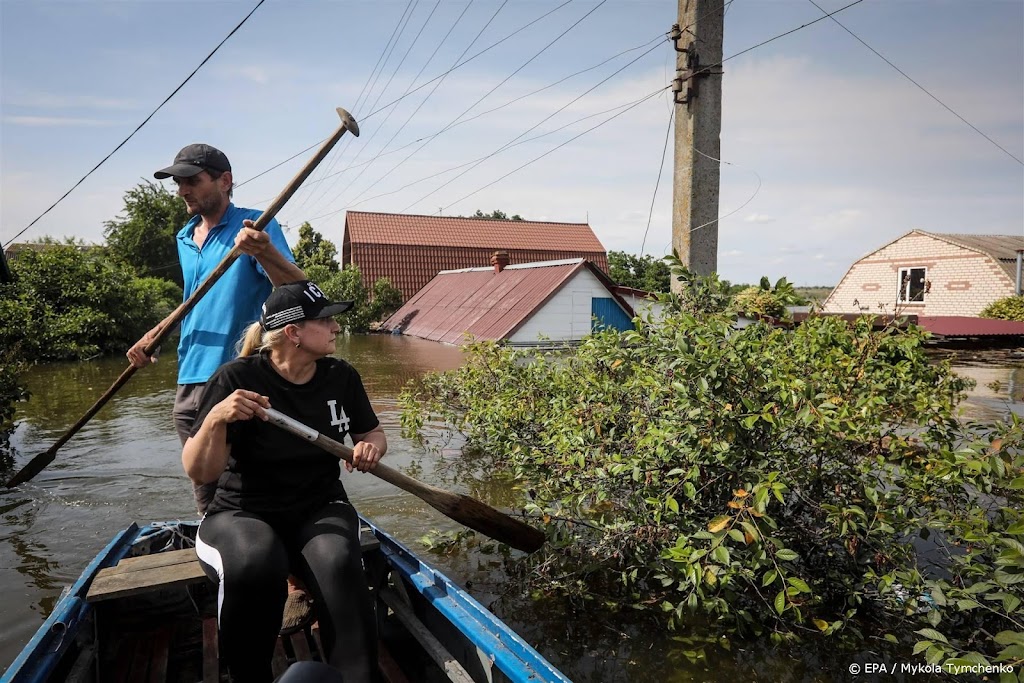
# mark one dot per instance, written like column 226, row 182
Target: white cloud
column 57, row 121
column 40, row 100
column 758, row 218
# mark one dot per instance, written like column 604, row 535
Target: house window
column 912, row 285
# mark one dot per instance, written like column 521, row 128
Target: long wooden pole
column 460, row 507
column 38, row 463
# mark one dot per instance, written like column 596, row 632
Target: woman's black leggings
column 251, row 556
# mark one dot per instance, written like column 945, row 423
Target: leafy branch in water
column 782, row 483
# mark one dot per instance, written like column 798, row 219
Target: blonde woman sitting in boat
column 280, row 507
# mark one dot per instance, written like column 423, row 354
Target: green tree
column 69, row 302
column 1007, row 308
column 497, row 215
column 144, row 234
column 313, row 250
column 315, row 255
column 757, row 482
column 347, row 285
column 640, row 272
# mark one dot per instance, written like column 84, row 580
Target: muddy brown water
column 124, row 466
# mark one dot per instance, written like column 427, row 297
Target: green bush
column 68, row 302
column 11, row 389
column 1008, row 308
column 347, row 285
column 767, row 300
column 768, row 480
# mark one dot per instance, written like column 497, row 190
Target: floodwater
column 124, row 466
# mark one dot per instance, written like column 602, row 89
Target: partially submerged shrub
column 771, row 480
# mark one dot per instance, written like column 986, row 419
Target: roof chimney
column 499, row 260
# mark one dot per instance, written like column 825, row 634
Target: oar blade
column 34, row 467
column 488, row 521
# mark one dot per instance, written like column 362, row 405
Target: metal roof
column 409, row 250
column 963, row 326
column 1002, row 248
column 486, row 304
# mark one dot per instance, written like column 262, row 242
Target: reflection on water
column 999, row 390
column 124, row 466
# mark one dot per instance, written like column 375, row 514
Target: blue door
column 605, row 312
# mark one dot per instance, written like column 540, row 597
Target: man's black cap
column 298, row 301
column 193, row 160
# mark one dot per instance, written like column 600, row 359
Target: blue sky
column 830, row 152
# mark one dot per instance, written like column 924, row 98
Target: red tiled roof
column 482, row 303
column 450, row 231
column 409, row 250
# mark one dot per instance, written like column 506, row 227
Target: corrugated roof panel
column 1002, row 247
column 962, row 326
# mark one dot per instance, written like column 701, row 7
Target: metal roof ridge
column 517, row 266
column 545, row 264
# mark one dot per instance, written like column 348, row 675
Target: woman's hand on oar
column 458, row 506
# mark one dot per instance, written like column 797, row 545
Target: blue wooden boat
column 142, row 610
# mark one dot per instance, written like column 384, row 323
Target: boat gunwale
column 34, row 663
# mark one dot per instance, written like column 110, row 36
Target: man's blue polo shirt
column 211, row 330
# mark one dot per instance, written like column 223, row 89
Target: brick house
column 411, row 249
column 930, row 274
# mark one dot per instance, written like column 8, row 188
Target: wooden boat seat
column 149, row 653
column 136, row 575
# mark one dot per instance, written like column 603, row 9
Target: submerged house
column 522, row 304
column 410, row 250
column 930, row 274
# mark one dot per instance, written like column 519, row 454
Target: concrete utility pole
column 698, row 124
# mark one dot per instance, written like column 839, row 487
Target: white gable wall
column 644, row 307
column 566, row 316
column 963, row 281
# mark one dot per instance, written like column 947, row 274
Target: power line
column 704, row 68
column 424, row 100
column 781, row 35
column 458, row 65
column 380, row 126
column 657, row 183
column 282, row 163
column 535, row 159
column 389, row 48
column 464, row 121
column 139, row 127
column 491, row 91
column 390, row 44
column 920, row 87
column 538, row 124
column 455, row 168
column 462, row 64
column 440, row 80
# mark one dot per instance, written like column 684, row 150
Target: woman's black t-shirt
column 270, row 470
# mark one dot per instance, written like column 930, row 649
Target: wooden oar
column 460, row 507
column 36, row 464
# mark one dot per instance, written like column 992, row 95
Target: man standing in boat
column 210, row 331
